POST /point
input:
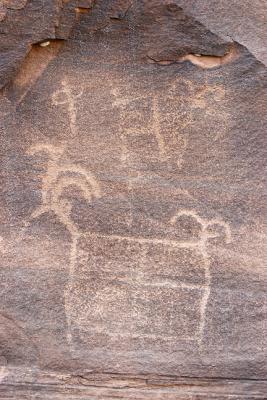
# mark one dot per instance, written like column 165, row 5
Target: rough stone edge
column 18, row 380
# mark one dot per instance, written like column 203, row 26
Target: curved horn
column 54, row 152
column 225, row 225
column 188, row 213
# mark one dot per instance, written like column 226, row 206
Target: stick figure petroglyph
column 65, row 96
column 170, row 120
column 122, row 103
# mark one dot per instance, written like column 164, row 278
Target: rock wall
column 133, row 200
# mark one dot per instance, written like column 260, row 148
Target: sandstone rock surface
column 133, row 199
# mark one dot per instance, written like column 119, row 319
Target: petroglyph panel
column 132, row 202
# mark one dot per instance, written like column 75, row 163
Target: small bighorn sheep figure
column 58, row 177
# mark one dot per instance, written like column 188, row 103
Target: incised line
column 65, row 96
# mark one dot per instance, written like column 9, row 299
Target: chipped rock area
column 133, row 199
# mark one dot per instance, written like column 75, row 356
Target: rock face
column 132, row 200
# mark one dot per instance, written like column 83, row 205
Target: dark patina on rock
column 132, row 201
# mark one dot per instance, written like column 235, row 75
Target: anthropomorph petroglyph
column 169, row 120
column 60, row 175
column 143, row 285
column 123, row 105
column 66, row 96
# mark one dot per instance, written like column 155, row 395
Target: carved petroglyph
column 143, row 284
column 120, row 104
column 133, row 179
column 60, row 175
column 205, row 225
column 208, row 98
column 66, row 96
column 156, row 128
column 169, row 121
column 123, row 103
column 184, row 118
column 3, row 361
column 3, row 368
column 143, row 240
column 4, row 245
column 205, row 235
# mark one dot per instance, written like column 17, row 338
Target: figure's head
column 188, row 225
column 204, row 229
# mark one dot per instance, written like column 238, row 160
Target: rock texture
column 133, row 200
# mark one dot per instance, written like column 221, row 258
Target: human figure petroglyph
column 201, row 100
column 140, row 279
column 206, row 97
column 122, row 103
column 152, row 127
column 176, row 119
column 65, row 96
